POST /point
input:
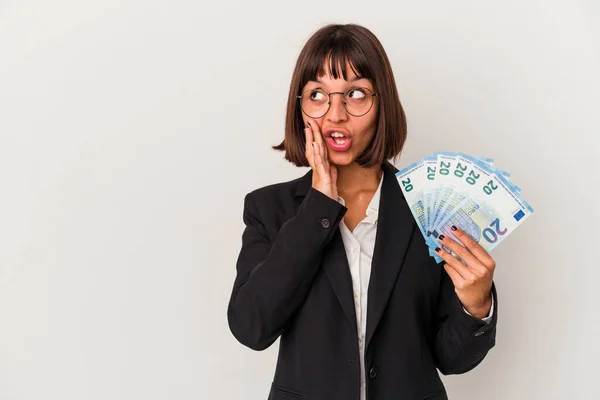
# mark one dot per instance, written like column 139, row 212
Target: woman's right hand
column 324, row 176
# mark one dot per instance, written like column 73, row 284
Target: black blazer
column 293, row 281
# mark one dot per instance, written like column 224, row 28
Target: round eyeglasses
column 316, row 102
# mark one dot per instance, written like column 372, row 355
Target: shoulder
column 269, row 207
column 278, row 189
column 278, row 194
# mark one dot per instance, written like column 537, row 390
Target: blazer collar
column 305, row 184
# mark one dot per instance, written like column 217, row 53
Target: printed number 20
column 489, row 187
column 492, row 236
column 407, row 185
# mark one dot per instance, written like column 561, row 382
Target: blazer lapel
column 395, row 225
column 335, row 262
column 337, row 269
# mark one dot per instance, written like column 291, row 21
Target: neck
column 352, row 179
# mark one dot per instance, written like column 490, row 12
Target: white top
column 359, row 245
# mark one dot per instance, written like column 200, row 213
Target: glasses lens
column 358, row 101
column 314, row 103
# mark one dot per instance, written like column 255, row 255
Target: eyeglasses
column 316, row 102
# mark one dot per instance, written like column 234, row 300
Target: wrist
column 481, row 311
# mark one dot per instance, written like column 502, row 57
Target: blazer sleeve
column 462, row 341
column 274, row 277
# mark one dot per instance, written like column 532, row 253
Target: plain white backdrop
column 131, row 130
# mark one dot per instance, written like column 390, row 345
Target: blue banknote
column 453, row 188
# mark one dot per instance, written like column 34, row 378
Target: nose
column 337, row 111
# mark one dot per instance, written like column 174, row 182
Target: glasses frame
column 343, row 100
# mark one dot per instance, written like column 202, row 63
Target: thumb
column 333, row 173
column 333, row 176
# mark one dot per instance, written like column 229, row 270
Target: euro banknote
column 451, row 188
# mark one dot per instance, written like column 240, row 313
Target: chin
column 341, row 159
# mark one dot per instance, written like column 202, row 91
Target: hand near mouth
column 324, row 174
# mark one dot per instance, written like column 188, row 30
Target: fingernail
column 441, row 237
column 437, row 249
column 453, row 227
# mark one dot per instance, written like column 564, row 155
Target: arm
column 462, row 340
column 273, row 279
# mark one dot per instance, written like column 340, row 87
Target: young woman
column 333, row 264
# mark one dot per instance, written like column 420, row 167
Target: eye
column 357, row 93
column 317, row 95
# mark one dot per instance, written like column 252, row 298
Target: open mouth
column 338, row 138
column 338, row 141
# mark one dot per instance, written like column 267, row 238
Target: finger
column 475, row 248
column 323, row 144
column 320, row 167
column 326, row 155
column 464, row 253
column 309, row 152
column 316, row 131
column 333, row 175
column 457, row 279
column 318, row 137
column 460, row 268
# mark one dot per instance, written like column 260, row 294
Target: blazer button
column 373, row 372
column 325, row 223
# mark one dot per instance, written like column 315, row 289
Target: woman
column 333, row 262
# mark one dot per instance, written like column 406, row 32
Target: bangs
column 332, row 57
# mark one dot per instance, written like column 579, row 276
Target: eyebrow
column 356, row 78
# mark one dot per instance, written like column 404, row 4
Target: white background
column 131, row 130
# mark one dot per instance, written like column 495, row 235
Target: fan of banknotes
column 447, row 188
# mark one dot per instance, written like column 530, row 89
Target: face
column 357, row 131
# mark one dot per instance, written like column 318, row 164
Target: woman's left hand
column 472, row 278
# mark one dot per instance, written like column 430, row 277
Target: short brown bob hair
column 360, row 48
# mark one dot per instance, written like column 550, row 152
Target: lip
column 327, row 132
column 338, row 147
